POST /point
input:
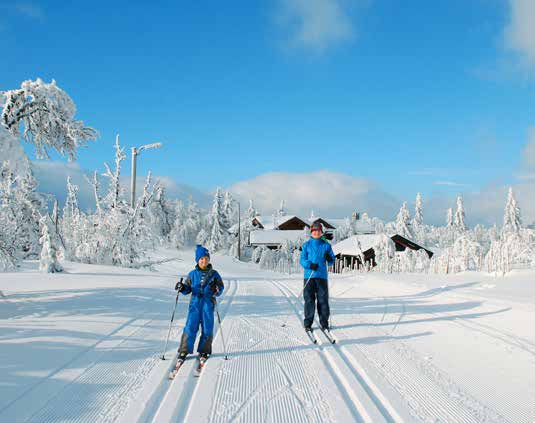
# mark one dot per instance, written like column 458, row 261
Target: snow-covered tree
column 251, row 212
column 418, row 219
column 257, row 254
column 217, row 238
column 267, row 260
column 403, row 221
column 449, row 218
column 47, row 114
column 114, row 195
column 48, row 262
column 512, row 222
column 466, row 254
column 13, row 153
column 71, row 221
column 406, row 261
column 459, row 217
column 385, row 251
column 229, row 210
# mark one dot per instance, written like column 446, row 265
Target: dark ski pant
column 317, row 289
column 200, row 313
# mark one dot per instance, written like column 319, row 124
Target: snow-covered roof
column 312, row 219
column 271, row 222
column 275, row 237
column 349, row 246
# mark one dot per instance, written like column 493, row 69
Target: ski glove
column 180, row 286
column 327, row 257
column 313, row 266
column 213, row 288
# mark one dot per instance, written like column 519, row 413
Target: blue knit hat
column 200, row 252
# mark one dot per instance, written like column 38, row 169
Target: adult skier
column 315, row 255
column 204, row 284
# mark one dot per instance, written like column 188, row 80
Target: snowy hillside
column 83, row 346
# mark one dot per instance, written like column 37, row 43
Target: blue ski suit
column 201, row 309
column 320, row 252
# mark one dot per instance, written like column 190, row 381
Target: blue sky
column 413, row 96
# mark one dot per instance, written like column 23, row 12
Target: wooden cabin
column 281, row 223
column 349, row 251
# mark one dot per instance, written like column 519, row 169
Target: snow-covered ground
column 84, row 346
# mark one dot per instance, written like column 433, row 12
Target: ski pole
column 301, row 293
column 171, row 323
column 221, row 328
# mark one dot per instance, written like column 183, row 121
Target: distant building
column 349, row 251
column 272, row 231
column 281, row 223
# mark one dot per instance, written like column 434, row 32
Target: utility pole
column 239, row 232
column 136, row 152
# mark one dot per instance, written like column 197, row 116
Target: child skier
column 204, row 284
column 316, row 254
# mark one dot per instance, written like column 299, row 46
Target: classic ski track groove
column 270, row 381
column 408, row 373
column 85, row 351
column 170, row 408
column 384, row 408
column 90, row 376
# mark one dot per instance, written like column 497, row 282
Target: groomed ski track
column 276, row 374
column 373, row 373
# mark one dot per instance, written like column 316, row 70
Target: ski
column 329, row 335
column 311, row 336
column 178, row 365
column 200, row 366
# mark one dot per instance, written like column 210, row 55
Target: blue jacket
column 314, row 252
column 194, row 280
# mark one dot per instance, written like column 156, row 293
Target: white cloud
column 52, row 178
column 449, row 184
column 327, row 193
column 520, row 31
column 314, row 24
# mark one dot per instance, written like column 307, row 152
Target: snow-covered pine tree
column 193, row 222
column 465, row 255
column 251, row 212
column 8, row 223
column 403, row 221
column 449, row 218
column 229, row 211
column 418, row 219
column 70, row 221
column 512, row 222
column 217, row 238
column 29, row 206
column 161, row 214
column 459, row 218
column 385, row 251
column 47, row 114
column 48, row 262
column 343, row 231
